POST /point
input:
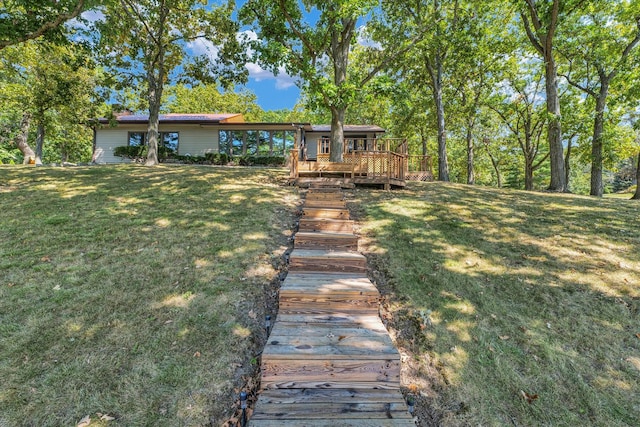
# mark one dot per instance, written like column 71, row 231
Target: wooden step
column 321, row 407
column 324, row 260
column 325, row 213
column 325, row 189
column 325, row 203
column 325, row 240
column 327, row 285
column 323, row 195
column 347, row 345
column 328, row 292
column 327, row 373
column 326, row 224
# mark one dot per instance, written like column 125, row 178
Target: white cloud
column 364, row 39
column 86, row 19
column 204, row 47
column 283, row 80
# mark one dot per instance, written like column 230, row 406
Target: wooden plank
column 332, row 410
column 329, row 347
column 343, row 422
column 345, row 319
column 324, row 186
column 324, row 224
column 331, row 384
column 336, row 371
column 328, row 396
column 330, row 283
column 282, row 328
column 325, row 203
column 336, row 241
column 307, row 305
column 325, row 213
column 314, row 195
column 326, row 260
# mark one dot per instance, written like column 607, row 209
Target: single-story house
column 199, row 134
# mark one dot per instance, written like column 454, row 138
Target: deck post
column 294, row 174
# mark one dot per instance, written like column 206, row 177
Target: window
column 136, row 139
column 224, row 141
column 167, row 142
column 252, row 142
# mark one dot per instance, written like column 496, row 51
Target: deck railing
column 377, row 159
column 372, row 158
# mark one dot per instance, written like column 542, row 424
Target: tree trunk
column 528, row 173
column 340, row 46
column 567, row 164
column 493, row 162
column 435, row 72
column 154, row 121
column 40, row 140
column 471, row 178
column 22, row 139
column 155, row 76
column 636, row 195
column 597, row 143
column 337, row 135
column 554, row 135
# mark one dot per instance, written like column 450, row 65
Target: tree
column 636, row 195
column 205, row 98
column 316, row 50
column 541, row 20
column 597, row 50
column 287, row 38
column 43, row 81
column 145, row 42
column 441, row 33
column 520, row 112
column 22, row 20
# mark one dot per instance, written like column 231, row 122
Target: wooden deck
column 329, row 360
column 381, row 161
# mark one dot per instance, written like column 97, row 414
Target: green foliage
column 56, row 84
column 131, row 152
column 22, row 20
column 208, row 99
column 251, row 160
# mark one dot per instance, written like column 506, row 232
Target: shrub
column 131, row 152
column 251, row 160
column 217, row 158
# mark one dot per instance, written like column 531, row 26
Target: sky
column 274, row 92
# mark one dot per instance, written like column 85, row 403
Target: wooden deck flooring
column 329, row 360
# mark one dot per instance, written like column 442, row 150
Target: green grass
column 495, row 292
column 134, row 292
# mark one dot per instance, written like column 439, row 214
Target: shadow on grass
column 134, row 292
column 499, row 292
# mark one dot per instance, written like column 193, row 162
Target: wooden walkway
column 329, row 360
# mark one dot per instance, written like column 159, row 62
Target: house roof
column 179, row 118
column 347, row 128
column 233, row 119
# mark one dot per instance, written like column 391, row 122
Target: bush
column 131, row 152
column 217, row 158
column 251, row 160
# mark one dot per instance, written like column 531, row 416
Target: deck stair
column 329, row 361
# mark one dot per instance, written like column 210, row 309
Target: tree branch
column 63, row 17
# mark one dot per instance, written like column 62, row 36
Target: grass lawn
column 512, row 308
column 134, row 293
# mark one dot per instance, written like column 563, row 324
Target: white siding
column 107, row 139
column 193, row 139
